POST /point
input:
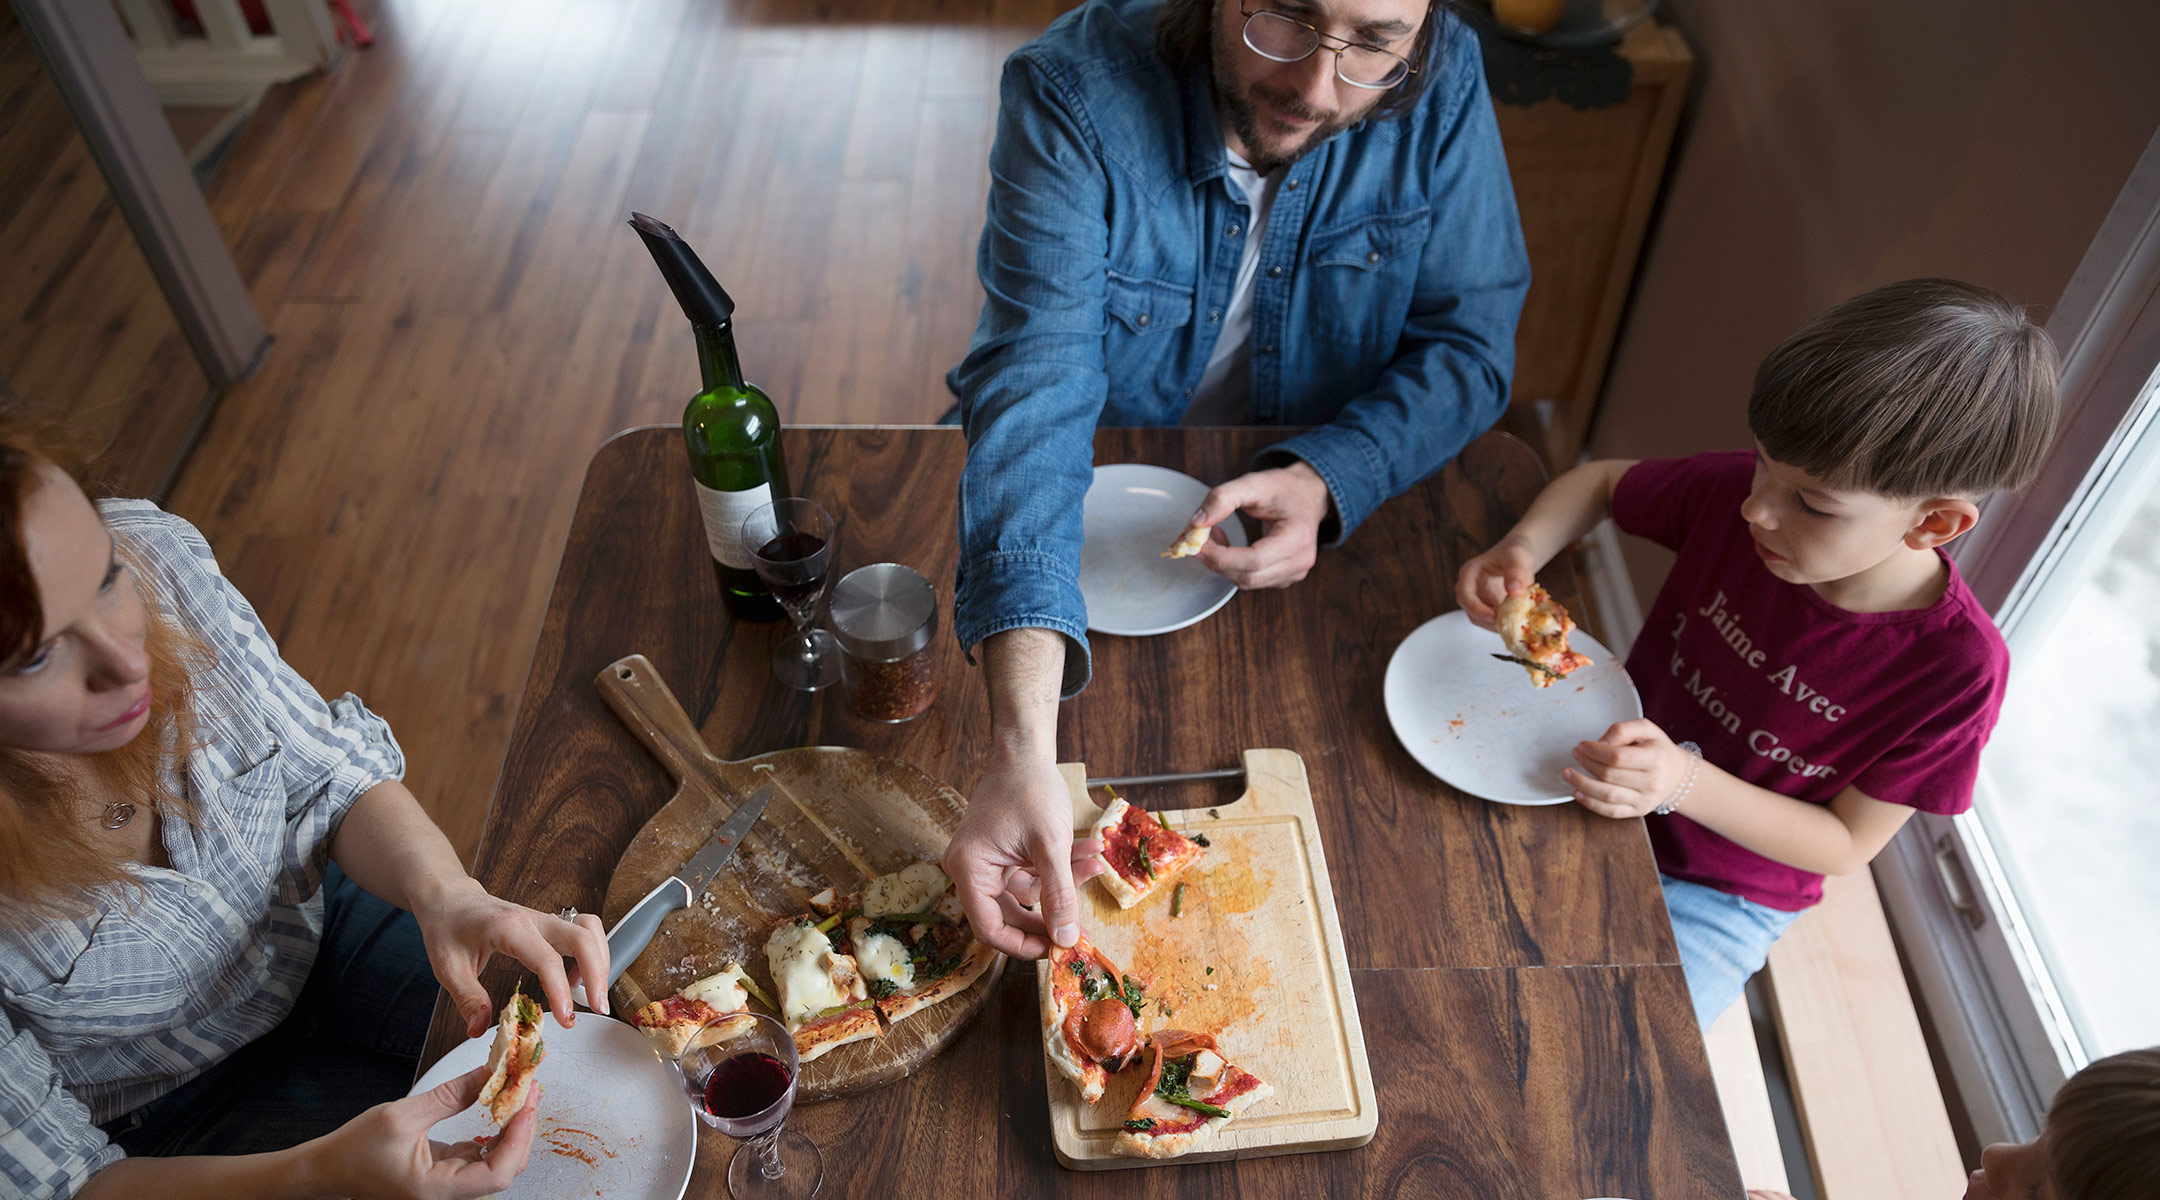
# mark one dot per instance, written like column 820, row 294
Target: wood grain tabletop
column 1524, row 1009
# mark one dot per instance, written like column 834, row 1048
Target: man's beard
column 1245, row 116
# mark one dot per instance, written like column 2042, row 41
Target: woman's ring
column 568, row 914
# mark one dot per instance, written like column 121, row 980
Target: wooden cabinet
column 1585, row 180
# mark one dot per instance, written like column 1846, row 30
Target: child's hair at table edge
column 2103, row 1130
column 1917, row 389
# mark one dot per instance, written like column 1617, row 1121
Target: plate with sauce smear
column 1478, row 723
column 614, row 1122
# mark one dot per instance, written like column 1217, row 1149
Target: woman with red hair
column 222, row 915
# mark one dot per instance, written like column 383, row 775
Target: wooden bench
column 1862, row 1082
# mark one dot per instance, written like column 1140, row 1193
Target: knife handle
column 636, row 929
column 633, row 688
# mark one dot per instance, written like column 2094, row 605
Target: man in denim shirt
column 1270, row 212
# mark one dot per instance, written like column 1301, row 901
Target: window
column 2032, row 924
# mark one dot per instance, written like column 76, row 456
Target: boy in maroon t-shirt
column 1814, row 669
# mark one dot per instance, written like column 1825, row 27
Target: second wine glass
column 791, row 544
column 739, row 1072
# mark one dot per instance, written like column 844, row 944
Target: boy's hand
column 1628, row 771
column 1491, row 577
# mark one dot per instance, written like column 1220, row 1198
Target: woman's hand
column 385, row 1153
column 1493, row 576
column 464, row 926
column 1628, row 771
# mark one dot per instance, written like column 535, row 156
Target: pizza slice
column 712, row 1010
column 913, row 942
column 1091, row 1017
column 1143, row 854
column 822, row 996
column 1535, row 629
column 1191, row 1092
column 517, row 1050
column 1189, row 542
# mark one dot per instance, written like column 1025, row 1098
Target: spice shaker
column 885, row 616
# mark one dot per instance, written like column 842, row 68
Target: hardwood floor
column 435, row 235
column 85, row 335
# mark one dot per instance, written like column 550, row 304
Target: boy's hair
column 2103, row 1130
column 1929, row 387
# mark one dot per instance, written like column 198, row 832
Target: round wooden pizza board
column 838, row 817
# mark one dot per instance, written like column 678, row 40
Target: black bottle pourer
column 700, row 295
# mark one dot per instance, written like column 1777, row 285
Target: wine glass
column 790, row 543
column 744, row 1087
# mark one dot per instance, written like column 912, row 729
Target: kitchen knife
column 631, row 934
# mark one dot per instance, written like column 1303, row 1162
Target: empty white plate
column 614, row 1119
column 1133, row 513
column 1480, row 724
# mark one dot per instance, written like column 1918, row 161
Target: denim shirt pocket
column 1141, row 314
column 1363, row 273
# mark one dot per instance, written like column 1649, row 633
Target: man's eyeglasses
column 1272, row 35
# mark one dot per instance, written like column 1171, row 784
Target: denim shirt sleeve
column 1034, row 380
column 1449, row 380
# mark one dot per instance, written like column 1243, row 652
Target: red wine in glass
column 793, row 584
column 744, row 1093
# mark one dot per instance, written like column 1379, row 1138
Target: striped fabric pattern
column 103, row 1015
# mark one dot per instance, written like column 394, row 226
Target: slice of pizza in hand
column 1189, row 542
column 822, row 996
column 517, row 1050
column 712, row 1010
column 1191, row 1092
column 1091, row 1017
column 1535, row 629
column 913, row 942
column 1143, row 854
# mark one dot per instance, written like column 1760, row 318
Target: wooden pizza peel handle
column 633, row 688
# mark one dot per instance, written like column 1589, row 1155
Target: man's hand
column 1493, row 576
column 1016, row 847
column 1628, row 771
column 385, row 1152
column 1290, row 503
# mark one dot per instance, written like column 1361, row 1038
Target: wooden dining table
column 1526, row 1020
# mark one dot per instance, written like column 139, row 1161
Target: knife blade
column 635, row 931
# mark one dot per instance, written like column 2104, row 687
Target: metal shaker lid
column 883, row 611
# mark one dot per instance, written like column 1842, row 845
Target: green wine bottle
column 731, row 428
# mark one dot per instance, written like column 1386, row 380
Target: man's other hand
column 1290, row 503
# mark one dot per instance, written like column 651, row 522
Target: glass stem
column 768, row 1155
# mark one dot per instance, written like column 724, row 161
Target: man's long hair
column 1183, row 27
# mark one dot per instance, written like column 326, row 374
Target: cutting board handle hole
column 624, row 673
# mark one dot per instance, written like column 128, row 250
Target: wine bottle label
column 725, row 513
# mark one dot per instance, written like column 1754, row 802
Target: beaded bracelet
column 1680, row 793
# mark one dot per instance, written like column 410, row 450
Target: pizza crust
column 1189, row 542
column 904, row 1004
column 822, row 1035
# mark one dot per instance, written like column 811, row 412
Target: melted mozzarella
column 913, row 889
column 802, row 964
column 883, row 957
column 722, row 990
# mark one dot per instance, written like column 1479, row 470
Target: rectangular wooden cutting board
column 1255, row 957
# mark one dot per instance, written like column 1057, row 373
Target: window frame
column 2005, row 1027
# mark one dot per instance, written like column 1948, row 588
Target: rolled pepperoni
column 1107, row 1029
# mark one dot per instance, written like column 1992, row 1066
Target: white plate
column 1132, row 514
column 1482, row 726
column 609, row 1098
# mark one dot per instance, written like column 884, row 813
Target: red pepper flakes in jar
column 885, row 617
